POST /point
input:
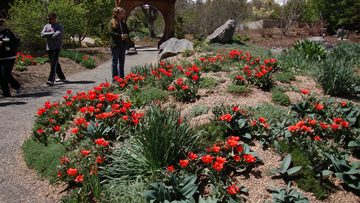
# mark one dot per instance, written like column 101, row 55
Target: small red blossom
column 79, row 178
column 319, row 107
column 72, row 171
column 192, row 156
column 207, row 159
column 170, row 168
column 317, row 138
column 233, row 141
column 85, row 152
column 216, row 149
column 100, row 159
column 343, row 104
column 232, row 189
column 249, row 158
column 184, row 163
column 102, row 142
column 304, row 91
column 227, row 117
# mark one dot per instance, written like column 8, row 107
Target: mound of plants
column 84, row 59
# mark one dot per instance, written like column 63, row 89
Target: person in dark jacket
column 8, row 47
column 119, row 33
column 53, row 32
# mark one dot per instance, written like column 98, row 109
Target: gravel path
column 17, row 182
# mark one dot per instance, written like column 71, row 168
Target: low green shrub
column 147, row 95
column 78, row 57
column 307, row 181
column 285, row 77
column 41, row 60
column 198, row 110
column 270, row 111
column 238, row 89
column 280, row 98
column 43, row 159
column 116, row 191
column 208, row 82
column 20, row 68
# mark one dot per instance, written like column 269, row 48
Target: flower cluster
column 222, row 159
column 24, row 59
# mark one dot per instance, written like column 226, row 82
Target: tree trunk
column 151, row 14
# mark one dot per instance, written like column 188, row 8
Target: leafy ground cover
column 203, row 143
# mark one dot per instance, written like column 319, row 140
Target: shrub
column 198, row 110
column 146, row 95
column 280, row 98
column 78, row 57
column 28, row 25
column 44, row 160
column 270, row 111
column 311, row 50
column 337, row 74
column 116, row 191
column 208, row 82
column 162, row 140
column 285, row 77
column 238, row 89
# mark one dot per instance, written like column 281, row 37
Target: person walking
column 119, row 33
column 53, row 33
column 8, row 47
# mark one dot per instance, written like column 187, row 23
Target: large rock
column 173, row 47
column 319, row 40
column 224, row 33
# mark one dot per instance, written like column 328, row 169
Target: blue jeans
column 118, row 61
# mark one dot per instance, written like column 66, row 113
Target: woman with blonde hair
column 119, row 32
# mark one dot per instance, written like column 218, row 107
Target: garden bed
column 205, row 128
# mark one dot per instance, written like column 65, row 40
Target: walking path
column 17, row 183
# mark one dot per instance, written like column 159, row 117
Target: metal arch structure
column 166, row 8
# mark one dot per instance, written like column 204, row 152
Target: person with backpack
column 53, row 32
column 9, row 43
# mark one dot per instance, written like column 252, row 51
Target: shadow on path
column 78, row 82
column 11, row 103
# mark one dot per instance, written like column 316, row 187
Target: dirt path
column 17, row 182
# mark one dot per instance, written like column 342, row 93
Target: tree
column 26, row 18
column 151, row 14
column 72, row 16
column 341, row 14
column 291, row 13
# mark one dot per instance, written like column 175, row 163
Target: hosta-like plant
column 310, row 49
column 285, row 170
column 173, row 189
column 287, row 195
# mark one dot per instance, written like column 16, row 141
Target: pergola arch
column 166, row 8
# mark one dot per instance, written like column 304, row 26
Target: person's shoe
column 50, row 83
column 18, row 91
column 61, row 80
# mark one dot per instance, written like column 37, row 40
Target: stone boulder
column 224, row 33
column 319, row 40
column 173, row 47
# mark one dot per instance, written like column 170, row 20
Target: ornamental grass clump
column 162, row 139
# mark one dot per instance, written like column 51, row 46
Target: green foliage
column 27, row 20
column 147, row 95
column 280, row 98
column 307, row 181
column 348, row 172
column 286, row 195
column 43, row 159
column 336, row 74
column 78, row 57
column 20, row 68
column 271, row 112
column 341, row 13
column 161, row 141
column 238, row 89
column 198, row 110
column 285, row 170
column 41, row 60
column 294, row 61
column 285, row 77
column 116, row 191
column 208, row 82
column 173, row 190
column 71, row 16
column 188, row 53
column 311, row 50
